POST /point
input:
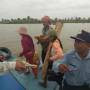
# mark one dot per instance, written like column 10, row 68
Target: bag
column 57, row 77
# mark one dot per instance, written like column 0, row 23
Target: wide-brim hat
column 84, row 36
column 22, row 30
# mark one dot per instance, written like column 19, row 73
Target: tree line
column 29, row 20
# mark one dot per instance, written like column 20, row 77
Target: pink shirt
column 56, row 52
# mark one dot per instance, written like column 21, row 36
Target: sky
column 39, row 8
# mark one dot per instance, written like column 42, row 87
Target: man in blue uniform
column 76, row 64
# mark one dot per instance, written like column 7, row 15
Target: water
column 10, row 38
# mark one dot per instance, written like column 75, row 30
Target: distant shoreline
column 29, row 20
column 41, row 23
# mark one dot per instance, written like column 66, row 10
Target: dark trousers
column 69, row 87
column 44, row 50
column 43, row 55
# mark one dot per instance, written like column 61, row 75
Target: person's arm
column 5, row 66
column 41, row 39
column 15, row 65
column 61, row 65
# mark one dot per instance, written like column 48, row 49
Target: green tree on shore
column 29, row 20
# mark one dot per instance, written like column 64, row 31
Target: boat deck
column 14, row 80
column 30, row 83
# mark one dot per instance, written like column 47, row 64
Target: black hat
column 84, row 36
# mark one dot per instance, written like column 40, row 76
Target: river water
column 10, row 38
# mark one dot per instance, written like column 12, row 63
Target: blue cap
column 84, row 36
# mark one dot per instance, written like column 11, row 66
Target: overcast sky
column 38, row 8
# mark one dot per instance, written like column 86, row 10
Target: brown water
column 10, row 38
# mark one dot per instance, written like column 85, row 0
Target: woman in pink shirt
column 56, row 53
column 57, row 48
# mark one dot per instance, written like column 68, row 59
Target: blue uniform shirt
column 79, row 73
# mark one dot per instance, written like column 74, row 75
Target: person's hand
column 30, row 65
column 20, row 66
column 37, row 37
column 41, row 38
column 51, row 59
column 63, row 68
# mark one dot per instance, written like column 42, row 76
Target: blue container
column 8, row 82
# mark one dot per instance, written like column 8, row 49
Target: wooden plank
column 46, row 61
column 58, row 27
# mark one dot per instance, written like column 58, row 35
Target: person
column 6, row 64
column 43, row 39
column 56, row 53
column 76, row 64
column 11, row 65
column 57, row 48
column 28, row 48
